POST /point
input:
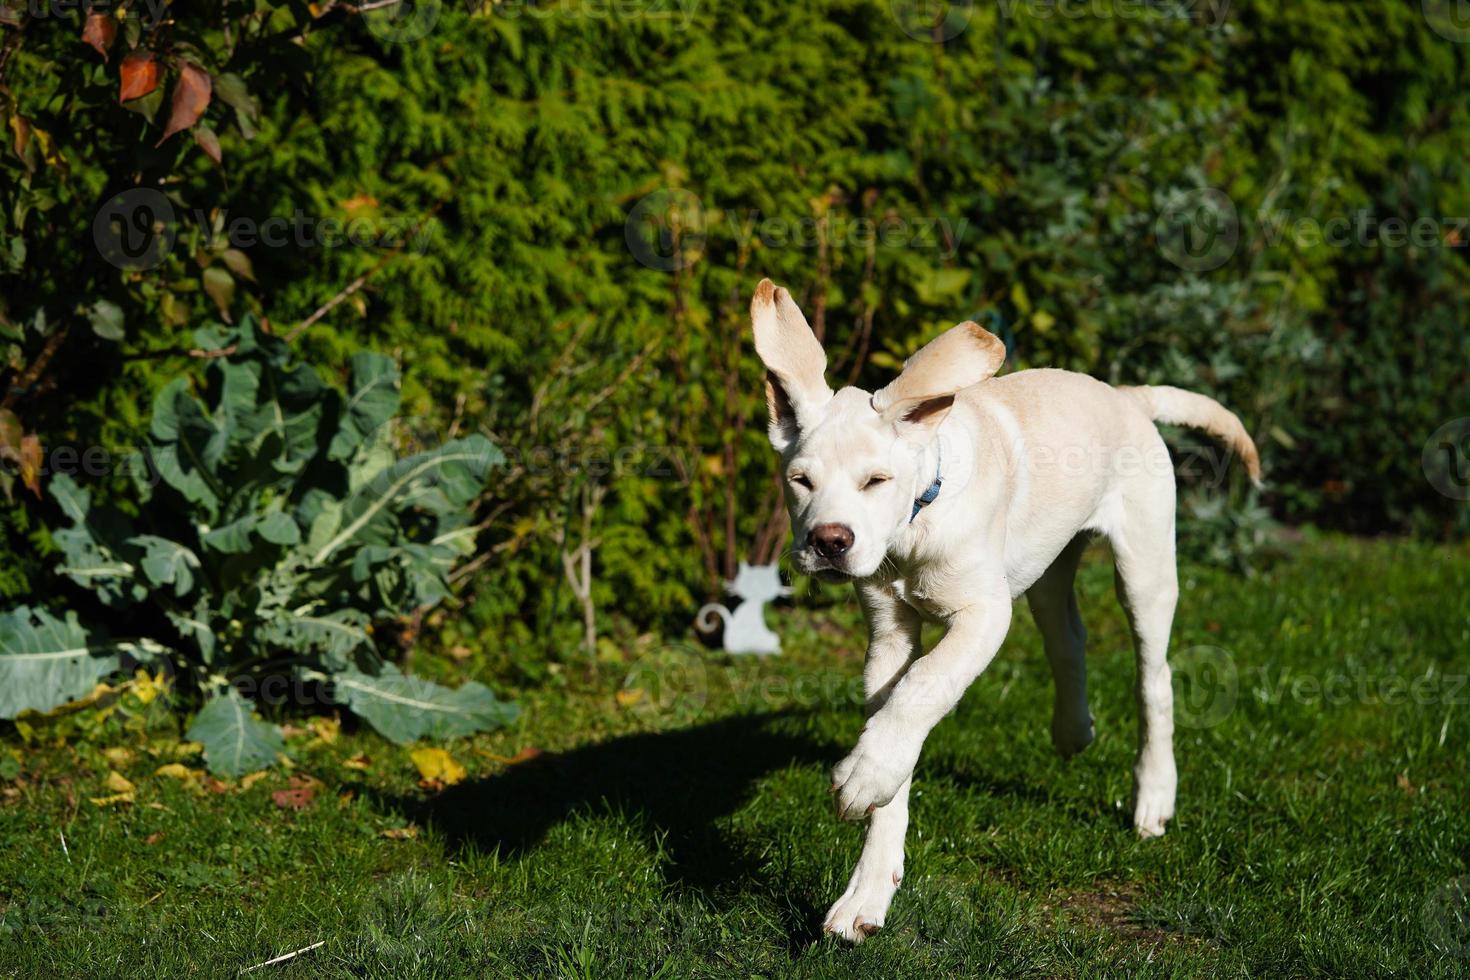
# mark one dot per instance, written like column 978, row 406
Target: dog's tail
column 1175, row 406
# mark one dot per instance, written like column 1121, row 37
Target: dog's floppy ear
column 924, row 391
column 795, row 363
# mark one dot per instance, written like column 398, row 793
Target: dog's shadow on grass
column 676, row 786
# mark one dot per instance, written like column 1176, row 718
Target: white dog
column 947, row 495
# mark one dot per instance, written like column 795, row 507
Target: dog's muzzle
column 830, row 543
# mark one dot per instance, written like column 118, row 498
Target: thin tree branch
column 35, row 369
column 362, row 280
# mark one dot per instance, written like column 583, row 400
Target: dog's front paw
column 871, row 776
column 860, row 912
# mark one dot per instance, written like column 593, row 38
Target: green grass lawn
column 684, row 828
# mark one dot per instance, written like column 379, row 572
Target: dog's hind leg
column 1053, row 602
column 1148, row 586
column 893, row 644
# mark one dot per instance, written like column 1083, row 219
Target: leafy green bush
column 570, row 204
column 275, row 525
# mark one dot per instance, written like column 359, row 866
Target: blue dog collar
column 928, row 496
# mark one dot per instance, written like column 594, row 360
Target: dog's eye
column 875, row 480
column 801, row 480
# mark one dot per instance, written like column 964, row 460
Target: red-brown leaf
column 293, row 799
column 191, row 98
column 299, row 796
column 139, row 73
column 100, row 31
column 524, row 755
column 208, row 141
column 11, row 434
column 30, row 464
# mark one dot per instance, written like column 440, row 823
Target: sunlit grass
column 684, row 828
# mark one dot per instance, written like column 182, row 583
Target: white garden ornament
column 745, row 628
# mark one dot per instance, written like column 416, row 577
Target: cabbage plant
column 274, row 526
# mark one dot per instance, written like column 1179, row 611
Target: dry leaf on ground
column 438, row 766
column 524, row 755
column 402, row 833
column 299, row 795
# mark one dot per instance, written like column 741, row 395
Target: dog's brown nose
column 831, row 541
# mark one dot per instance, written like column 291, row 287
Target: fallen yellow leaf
column 359, row 761
column 437, row 765
column 179, row 771
column 119, row 783
column 325, row 729
column 248, row 781
column 629, row 697
column 119, row 756
column 112, row 800
column 173, row 750
column 402, row 833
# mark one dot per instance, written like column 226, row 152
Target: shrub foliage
column 559, row 211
